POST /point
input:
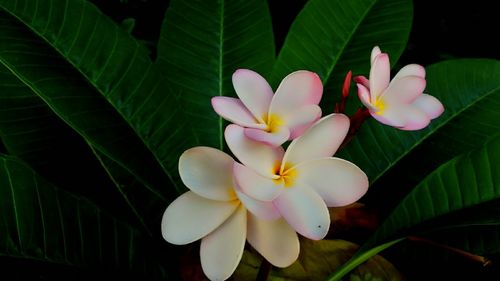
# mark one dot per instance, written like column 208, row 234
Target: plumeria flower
column 303, row 181
column 399, row 103
column 215, row 212
column 268, row 118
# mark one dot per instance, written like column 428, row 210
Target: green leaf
column 316, row 260
column 33, row 133
column 97, row 47
column 41, row 222
column 147, row 207
column 460, row 192
column 331, row 37
column 470, row 93
column 201, row 44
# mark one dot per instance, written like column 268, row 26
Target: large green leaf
column 115, row 65
column 470, row 93
column 41, row 222
column 331, row 37
column 460, row 193
column 33, row 133
column 201, row 44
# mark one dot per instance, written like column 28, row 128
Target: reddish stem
column 356, row 121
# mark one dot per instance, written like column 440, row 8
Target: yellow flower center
column 286, row 177
column 273, row 123
column 380, row 105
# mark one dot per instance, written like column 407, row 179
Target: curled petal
column 208, row 172
column 235, row 111
column 260, row 157
column 375, row 52
column 191, row 217
column 404, row 90
column 305, row 211
column 221, row 250
column 430, row 105
column 321, row 140
column 255, row 185
column 261, row 209
column 276, row 138
column 380, row 75
column 337, row 181
column 296, row 90
column 363, row 81
column 275, row 240
column 364, row 96
column 411, row 70
column 302, row 119
column 254, row 91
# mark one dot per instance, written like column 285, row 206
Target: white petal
column 364, row 97
column 415, row 119
column 254, row 91
column 261, row 209
column 430, row 105
column 404, row 90
column 394, row 116
column 235, row 111
column 411, row 70
column 255, row 185
column 298, row 89
column 302, row 119
column 305, row 211
column 276, row 138
column 191, row 217
column 275, row 240
column 221, row 250
column 380, row 75
column 260, row 157
column 208, row 172
column 337, row 181
column 321, row 140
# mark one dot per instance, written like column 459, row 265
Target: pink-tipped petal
column 305, row 211
column 296, row 90
column 321, row 140
column 208, row 172
column 393, row 116
column 302, row 119
column 415, row 119
column 430, row 105
column 363, row 81
column 255, row 185
column 260, row 157
column 221, row 250
column 233, row 110
column 337, row 181
column 191, row 217
column 275, row 240
column 275, row 138
column 380, row 76
column 404, row 90
column 254, row 91
column 411, row 70
column 375, row 52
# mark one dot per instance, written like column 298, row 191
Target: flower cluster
column 270, row 194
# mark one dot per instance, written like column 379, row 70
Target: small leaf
column 317, row 259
